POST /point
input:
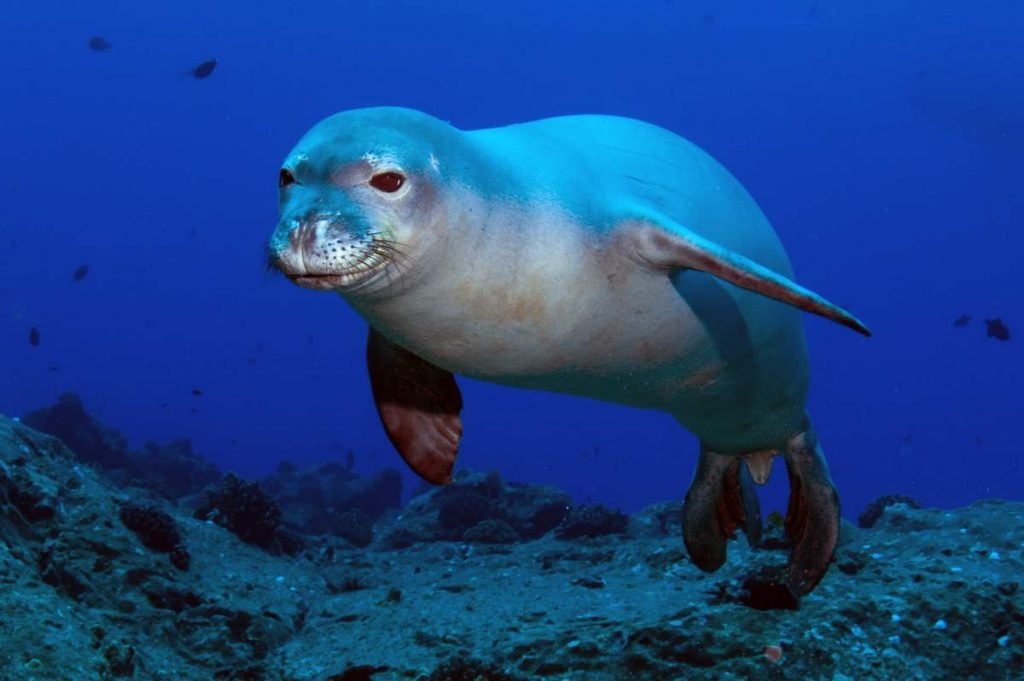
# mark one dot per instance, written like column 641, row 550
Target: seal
column 591, row 255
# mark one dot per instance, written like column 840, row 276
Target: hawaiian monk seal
column 592, row 255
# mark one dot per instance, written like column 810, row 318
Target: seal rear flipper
column 419, row 405
column 721, row 498
column 665, row 244
column 812, row 520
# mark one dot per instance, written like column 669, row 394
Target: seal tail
column 721, row 499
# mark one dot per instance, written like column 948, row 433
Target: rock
column 90, row 440
column 592, row 521
column 154, row 528
column 354, row 526
column 460, row 507
column 658, row 520
column 359, row 672
column 373, row 495
column 534, row 510
column 491, row 532
column 245, row 509
column 158, row 531
column 876, row 508
column 898, row 604
column 173, row 470
column 447, row 513
column 467, row 669
column 31, row 503
column 311, row 500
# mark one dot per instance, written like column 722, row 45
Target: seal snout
column 320, row 252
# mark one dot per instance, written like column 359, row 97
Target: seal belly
column 728, row 364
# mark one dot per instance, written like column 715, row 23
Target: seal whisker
column 398, row 258
column 271, row 266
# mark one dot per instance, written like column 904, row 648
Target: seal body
column 539, row 291
column 590, row 255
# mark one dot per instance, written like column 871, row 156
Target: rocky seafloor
column 117, row 564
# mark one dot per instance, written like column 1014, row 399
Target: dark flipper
column 812, row 521
column 721, row 498
column 665, row 244
column 419, row 405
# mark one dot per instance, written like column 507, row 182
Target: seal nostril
column 285, row 178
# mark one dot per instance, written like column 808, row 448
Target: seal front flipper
column 665, row 244
column 721, row 498
column 812, row 520
column 419, row 405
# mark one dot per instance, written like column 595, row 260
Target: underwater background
column 140, row 147
column 883, row 140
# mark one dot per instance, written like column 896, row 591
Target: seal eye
column 389, row 182
column 285, row 178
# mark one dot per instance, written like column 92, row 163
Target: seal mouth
column 352, row 278
column 320, row 254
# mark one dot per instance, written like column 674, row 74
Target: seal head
column 356, row 195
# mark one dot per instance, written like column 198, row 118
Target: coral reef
column 876, row 508
column 172, row 470
column 330, row 499
column 481, row 508
column 245, row 509
column 924, row 594
column 354, row 526
column 491, row 531
column 592, row 521
column 91, row 441
column 156, row 530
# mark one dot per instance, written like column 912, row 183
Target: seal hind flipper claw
column 812, row 520
column 721, row 498
column 419, row 405
column 666, row 244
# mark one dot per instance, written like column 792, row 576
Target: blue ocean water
column 883, row 140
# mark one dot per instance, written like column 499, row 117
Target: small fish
column 33, row 336
column 99, row 43
column 962, row 320
column 194, row 410
column 205, row 69
column 197, row 392
column 80, row 273
column 997, row 330
column 977, row 440
column 54, row 368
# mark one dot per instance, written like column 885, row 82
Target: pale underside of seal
column 590, row 255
